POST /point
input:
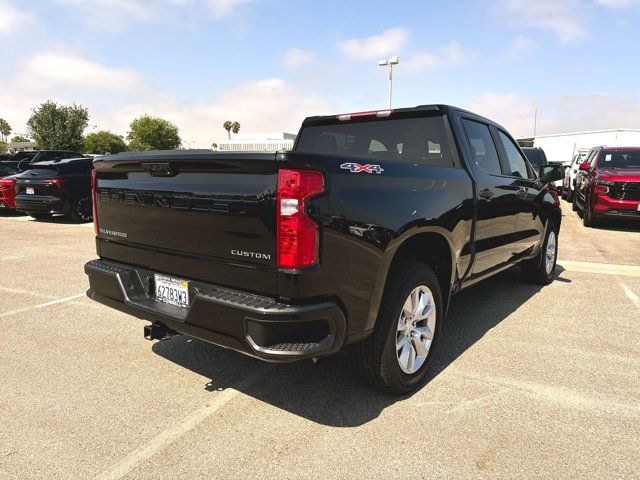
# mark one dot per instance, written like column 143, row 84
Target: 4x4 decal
column 357, row 168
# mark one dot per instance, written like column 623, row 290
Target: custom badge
column 357, row 168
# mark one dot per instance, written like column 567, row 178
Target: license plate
column 173, row 291
column 30, row 191
column 638, row 207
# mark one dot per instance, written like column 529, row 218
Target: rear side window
column 517, row 163
column 411, row 140
column 77, row 167
column 485, row 153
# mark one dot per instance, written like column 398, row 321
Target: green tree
column 20, row 138
column 58, row 127
column 104, row 142
column 152, row 133
column 3, row 146
column 230, row 126
column 5, row 129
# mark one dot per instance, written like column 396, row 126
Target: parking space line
column 632, row 296
column 600, row 268
column 61, row 300
column 42, row 305
column 165, row 438
column 23, row 292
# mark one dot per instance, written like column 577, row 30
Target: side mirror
column 551, row 172
column 584, row 166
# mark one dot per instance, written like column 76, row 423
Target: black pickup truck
column 359, row 236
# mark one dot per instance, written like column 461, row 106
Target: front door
column 497, row 201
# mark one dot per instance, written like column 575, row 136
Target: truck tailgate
column 208, row 216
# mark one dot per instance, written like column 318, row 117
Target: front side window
column 485, row 153
column 517, row 163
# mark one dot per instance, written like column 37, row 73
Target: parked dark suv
column 22, row 160
column 59, row 187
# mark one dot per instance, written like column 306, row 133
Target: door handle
column 486, row 194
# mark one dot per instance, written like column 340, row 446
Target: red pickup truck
column 608, row 185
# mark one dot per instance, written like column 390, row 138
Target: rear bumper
column 255, row 325
column 42, row 204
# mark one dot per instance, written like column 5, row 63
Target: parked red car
column 7, row 192
column 608, row 186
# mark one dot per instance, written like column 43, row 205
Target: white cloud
column 297, row 57
column 519, row 46
column 116, row 14
column 11, row 18
column 389, row 42
column 115, row 96
column 616, row 3
column 564, row 18
column 51, row 69
column 568, row 113
column 223, row 8
column 449, row 55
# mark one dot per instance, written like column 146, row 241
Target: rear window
column 415, row 140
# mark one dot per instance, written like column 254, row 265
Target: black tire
column 376, row 357
column 564, row 194
column 588, row 220
column 82, row 210
column 569, row 195
column 40, row 216
column 574, row 202
column 535, row 270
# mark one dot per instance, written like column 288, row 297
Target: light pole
column 390, row 62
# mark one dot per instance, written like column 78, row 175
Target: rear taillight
column 298, row 236
column 94, row 198
column 56, row 182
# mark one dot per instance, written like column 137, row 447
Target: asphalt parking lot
column 528, row 383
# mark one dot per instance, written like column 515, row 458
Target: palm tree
column 228, row 125
column 5, row 129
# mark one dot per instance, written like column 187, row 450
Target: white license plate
column 638, row 207
column 173, row 291
column 30, row 191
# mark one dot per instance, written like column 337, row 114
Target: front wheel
column 82, row 210
column 542, row 268
column 397, row 355
column 588, row 219
column 569, row 195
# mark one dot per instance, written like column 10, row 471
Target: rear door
column 497, row 200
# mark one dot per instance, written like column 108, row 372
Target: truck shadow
column 330, row 392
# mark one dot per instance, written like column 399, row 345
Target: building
column 22, row 146
column 562, row 146
column 257, row 142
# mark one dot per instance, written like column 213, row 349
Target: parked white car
column 568, row 184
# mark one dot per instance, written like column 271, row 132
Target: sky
column 269, row 63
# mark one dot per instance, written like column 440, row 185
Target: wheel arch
column 430, row 245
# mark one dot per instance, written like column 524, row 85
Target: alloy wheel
column 415, row 329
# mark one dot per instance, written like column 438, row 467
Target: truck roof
column 409, row 111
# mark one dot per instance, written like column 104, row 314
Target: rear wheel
column 40, row 216
column 82, row 210
column 542, row 268
column 397, row 355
